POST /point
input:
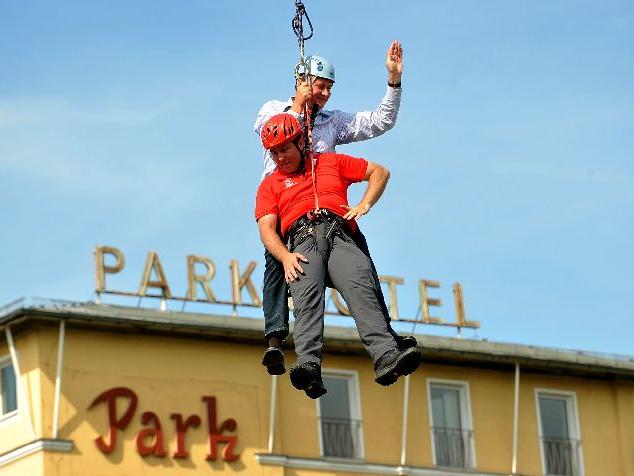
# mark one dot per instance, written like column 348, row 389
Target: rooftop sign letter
column 100, row 266
column 153, row 263
column 204, row 280
column 202, row 270
column 238, row 282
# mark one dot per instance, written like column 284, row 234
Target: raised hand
column 394, row 62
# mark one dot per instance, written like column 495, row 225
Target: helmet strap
column 302, row 151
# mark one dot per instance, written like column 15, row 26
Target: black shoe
column 307, row 377
column 406, row 342
column 273, row 360
column 394, row 364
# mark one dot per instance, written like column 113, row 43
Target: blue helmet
column 320, row 67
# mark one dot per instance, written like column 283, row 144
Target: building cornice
column 362, row 467
column 343, row 340
column 43, row 444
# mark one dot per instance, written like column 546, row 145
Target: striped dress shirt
column 336, row 127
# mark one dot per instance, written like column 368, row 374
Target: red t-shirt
column 289, row 196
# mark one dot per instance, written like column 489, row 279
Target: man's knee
column 352, row 262
column 353, row 276
column 307, row 294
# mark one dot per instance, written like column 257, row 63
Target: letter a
column 153, row 263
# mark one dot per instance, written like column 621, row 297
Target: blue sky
column 129, row 124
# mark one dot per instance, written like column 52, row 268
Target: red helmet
column 280, row 129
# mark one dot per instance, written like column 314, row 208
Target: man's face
column 321, row 91
column 287, row 157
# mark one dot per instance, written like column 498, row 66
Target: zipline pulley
column 298, row 27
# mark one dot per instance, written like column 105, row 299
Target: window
column 451, row 430
column 339, row 427
column 8, row 393
column 559, row 433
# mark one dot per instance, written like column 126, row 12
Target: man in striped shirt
column 331, row 128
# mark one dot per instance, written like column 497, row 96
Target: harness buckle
column 316, row 214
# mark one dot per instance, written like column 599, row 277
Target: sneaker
column 273, row 360
column 393, row 364
column 406, row 342
column 307, row 377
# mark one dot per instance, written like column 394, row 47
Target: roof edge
column 436, row 349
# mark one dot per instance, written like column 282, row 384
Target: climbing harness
column 323, row 228
column 301, row 72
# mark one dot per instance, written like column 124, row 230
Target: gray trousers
column 350, row 271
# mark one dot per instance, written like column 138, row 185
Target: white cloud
column 41, row 143
column 133, row 186
column 31, row 111
column 558, row 171
column 9, row 116
column 126, row 116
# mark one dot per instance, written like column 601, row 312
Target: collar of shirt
column 303, row 172
column 322, row 115
column 281, row 176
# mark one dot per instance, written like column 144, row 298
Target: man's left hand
column 394, row 62
column 356, row 212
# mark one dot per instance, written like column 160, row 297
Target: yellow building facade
column 94, row 390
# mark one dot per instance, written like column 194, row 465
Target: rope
column 309, row 119
column 298, row 25
column 301, row 70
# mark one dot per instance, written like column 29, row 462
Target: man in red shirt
column 305, row 202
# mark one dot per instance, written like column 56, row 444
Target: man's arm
column 377, row 176
column 273, row 243
column 368, row 124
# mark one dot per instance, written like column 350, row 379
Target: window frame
column 466, row 420
column 354, row 400
column 6, row 361
column 572, row 414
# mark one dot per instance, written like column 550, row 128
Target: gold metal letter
column 153, row 262
column 392, row 281
column 426, row 301
column 193, row 278
column 460, row 314
column 238, row 282
column 101, row 268
column 336, row 300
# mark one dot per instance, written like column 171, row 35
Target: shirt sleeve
column 351, row 168
column 354, row 127
column 267, row 111
column 265, row 201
